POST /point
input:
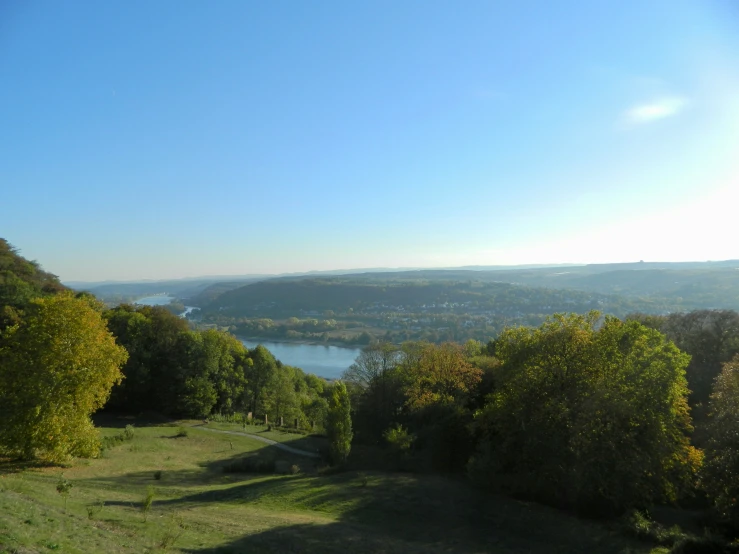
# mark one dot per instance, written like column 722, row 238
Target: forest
column 601, row 416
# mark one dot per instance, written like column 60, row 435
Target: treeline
column 583, row 412
column 65, row 356
column 186, row 373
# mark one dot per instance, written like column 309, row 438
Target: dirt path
column 279, row 445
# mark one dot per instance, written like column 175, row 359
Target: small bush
column 182, row 432
column 158, row 475
column 704, row 545
column 640, row 526
column 174, row 531
column 94, row 509
column 146, row 502
column 294, row 469
column 115, row 440
column 63, row 487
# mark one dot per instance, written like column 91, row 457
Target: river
column 157, row 300
column 322, row 360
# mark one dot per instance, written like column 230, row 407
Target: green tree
column 721, row 471
column 258, row 376
column 587, row 416
column 339, row 424
column 57, row 367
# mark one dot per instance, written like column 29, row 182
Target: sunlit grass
column 199, row 508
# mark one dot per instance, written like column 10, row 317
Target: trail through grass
column 197, row 508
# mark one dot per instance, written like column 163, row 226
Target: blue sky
column 180, row 138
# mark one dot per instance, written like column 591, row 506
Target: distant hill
column 612, row 288
column 359, row 294
column 180, row 288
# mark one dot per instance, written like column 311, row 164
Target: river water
column 158, row 300
column 322, row 360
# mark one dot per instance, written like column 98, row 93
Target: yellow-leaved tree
column 57, row 367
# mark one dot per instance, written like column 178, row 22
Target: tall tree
column 339, row 424
column 258, row 375
column 721, row 471
column 57, row 367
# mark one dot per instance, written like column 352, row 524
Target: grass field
column 198, row 508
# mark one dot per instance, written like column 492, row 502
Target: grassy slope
column 346, row 512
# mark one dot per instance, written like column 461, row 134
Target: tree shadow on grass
column 334, row 538
column 120, row 420
column 9, row 466
column 223, row 471
column 400, row 513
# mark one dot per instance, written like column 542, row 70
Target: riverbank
column 336, row 343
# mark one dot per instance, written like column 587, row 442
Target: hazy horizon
column 176, row 140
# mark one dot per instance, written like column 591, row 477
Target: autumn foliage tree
column 441, row 375
column 57, row 367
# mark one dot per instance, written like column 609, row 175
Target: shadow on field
column 335, row 538
column 223, row 471
column 119, row 421
column 9, row 466
column 397, row 513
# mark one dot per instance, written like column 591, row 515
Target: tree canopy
column 57, row 367
column 586, row 415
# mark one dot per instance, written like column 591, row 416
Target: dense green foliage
column 711, row 338
column 21, row 281
column 339, row 424
column 188, row 373
column 58, row 362
column 721, row 473
column 593, row 417
column 176, row 370
column 57, row 367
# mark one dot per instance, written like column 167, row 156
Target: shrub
column 174, row 531
column 294, row 469
column 398, row 438
column 182, row 432
column 94, row 509
column 158, row 475
column 638, row 525
column 63, row 487
column 146, row 502
column 339, row 424
column 115, row 440
column 720, row 475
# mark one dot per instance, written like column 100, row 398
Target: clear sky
column 181, row 138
